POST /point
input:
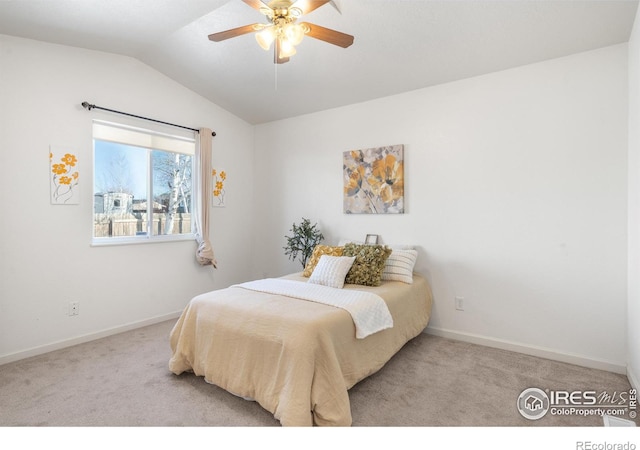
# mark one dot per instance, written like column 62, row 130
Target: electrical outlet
column 459, row 303
column 74, row 308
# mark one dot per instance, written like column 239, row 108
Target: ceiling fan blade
column 256, row 4
column 306, row 6
column 331, row 36
column 228, row 34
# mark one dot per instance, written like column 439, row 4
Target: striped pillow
column 399, row 266
column 331, row 270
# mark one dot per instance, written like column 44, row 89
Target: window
column 142, row 185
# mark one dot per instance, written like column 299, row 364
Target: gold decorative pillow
column 369, row 264
column 318, row 251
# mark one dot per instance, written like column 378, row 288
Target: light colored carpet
column 123, row 380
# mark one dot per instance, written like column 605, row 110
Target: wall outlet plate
column 74, row 308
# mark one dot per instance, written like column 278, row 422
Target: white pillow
column 399, row 266
column 344, row 242
column 331, row 270
column 403, row 247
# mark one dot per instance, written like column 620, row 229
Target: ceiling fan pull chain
column 276, row 76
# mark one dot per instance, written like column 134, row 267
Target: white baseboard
column 546, row 353
column 35, row 351
column 633, row 379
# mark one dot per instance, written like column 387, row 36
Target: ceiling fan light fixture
column 283, row 30
column 294, row 33
column 266, row 37
column 287, row 49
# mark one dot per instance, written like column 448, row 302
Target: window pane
column 142, row 187
column 171, row 192
column 120, row 190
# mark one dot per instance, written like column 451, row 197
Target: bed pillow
column 402, row 246
column 331, row 270
column 318, row 251
column 399, row 266
column 344, row 242
column 369, row 264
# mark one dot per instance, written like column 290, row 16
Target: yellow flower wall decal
column 59, row 169
column 374, row 180
column 219, row 190
column 69, row 159
column 64, row 177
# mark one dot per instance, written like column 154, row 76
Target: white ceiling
column 400, row 45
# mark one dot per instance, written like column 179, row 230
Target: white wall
column 516, row 194
column 46, row 259
column 633, row 313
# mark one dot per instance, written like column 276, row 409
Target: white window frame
column 151, row 140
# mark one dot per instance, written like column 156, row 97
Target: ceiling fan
column 283, row 29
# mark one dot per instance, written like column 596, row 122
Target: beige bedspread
column 296, row 358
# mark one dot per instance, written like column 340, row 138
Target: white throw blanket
column 369, row 311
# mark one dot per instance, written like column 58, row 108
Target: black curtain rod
column 89, row 107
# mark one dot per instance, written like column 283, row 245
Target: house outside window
column 143, row 190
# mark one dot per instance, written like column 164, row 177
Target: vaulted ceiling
column 400, row 45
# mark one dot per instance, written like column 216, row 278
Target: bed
column 294, row 354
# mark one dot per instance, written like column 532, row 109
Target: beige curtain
column 204, row 254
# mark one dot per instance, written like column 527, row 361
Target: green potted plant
column 305, row 238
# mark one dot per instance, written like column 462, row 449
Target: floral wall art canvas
column 374, row 180
column 219, row 191
column 64, row 176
